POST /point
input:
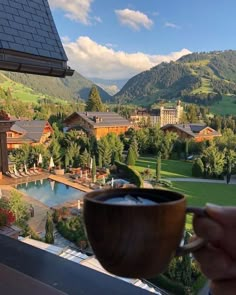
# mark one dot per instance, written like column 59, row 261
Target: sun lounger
column 22, row 173
column 15, row 172
column 12, row 175
column 29, row 172
column 36, row 171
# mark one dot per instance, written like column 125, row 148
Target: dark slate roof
column 29, row 41
column 192, row 129
column 104, row 119
column 30, row 130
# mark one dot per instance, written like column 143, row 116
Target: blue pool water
column 49, row 192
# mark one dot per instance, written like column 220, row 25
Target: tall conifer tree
column 94, row 103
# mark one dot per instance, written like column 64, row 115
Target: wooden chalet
column 197, row 132
column 30, row 132
column 98, row 124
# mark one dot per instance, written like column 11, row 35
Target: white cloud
column 133, row 19
column 77, row 10
column 171, row 25
column 94, row 60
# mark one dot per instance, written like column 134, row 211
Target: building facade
column 166, row 115
column 28, row 132
column 161, row 116
column 97, row 124
column 196, row 132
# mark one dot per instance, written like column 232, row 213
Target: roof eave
column 14, row 61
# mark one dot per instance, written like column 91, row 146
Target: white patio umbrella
column 0, row 193
column 52, row 183
column 112, row 182
column 40, row 159
column 91, row 164
column 51, row 163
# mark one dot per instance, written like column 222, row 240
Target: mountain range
column 198, row 77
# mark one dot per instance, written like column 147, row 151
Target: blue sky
column 117, row 39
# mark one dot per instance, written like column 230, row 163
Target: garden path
column 189, row 179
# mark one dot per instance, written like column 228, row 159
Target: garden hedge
column 133, row 175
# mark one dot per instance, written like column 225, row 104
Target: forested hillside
column 199, row 77
column 68, row 88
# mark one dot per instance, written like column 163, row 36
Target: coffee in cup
column 136, row 232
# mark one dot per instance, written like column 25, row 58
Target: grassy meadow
column 24, row 93
column 197, row 193
column 225, row 107
column 169, row 168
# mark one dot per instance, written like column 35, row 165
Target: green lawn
column 225, row 107
column 169, row 168
column 198, row 194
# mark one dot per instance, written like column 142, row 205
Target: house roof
column 31, row 131
column 29, row 41
column 192, row 129
column 100, row 119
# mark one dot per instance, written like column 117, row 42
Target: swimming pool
column 50, row 192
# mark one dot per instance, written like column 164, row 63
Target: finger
column 224, row 215
column 215, row 264
column 226, row 287
column 208, row 229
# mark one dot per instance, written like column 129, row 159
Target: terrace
column 44, row 273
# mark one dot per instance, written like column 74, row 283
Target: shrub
column 133, row 175
column 49, row 237
column 6, row 217
column 199, row 283
column 73, row 230
column 197, row 168
column 164, row 283
column 56, row 216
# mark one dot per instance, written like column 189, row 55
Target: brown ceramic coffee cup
column 137, row 241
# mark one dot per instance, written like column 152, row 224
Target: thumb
column 224, row 215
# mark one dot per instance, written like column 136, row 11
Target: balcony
column 25, row 270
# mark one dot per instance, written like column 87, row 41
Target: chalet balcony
column 25, row 270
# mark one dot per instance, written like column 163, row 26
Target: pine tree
column 158, row 167
column 49, row 237
column 134, row 146
column 94, row 103
column 94, row 169
column 186, row 149
column 131, row 157
column 186, row 270
column 99, row 160
column 55, row 150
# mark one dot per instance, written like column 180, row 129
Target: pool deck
column 37, row 223
column 66, row 181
